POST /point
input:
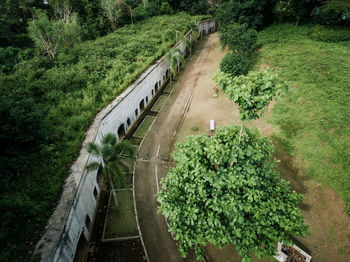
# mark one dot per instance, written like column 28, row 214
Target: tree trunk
column 112, row 187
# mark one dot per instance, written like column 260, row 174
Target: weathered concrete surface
column 78, row 202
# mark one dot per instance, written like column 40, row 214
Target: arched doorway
column 142, row 104
column 121, row 131
column 156, row 87
column 128, row 122
column 81, row 251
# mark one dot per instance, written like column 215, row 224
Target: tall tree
column 252, row 93
column 112, row 164
column 208, row 200
column 174, row 58
column 49, row 35
column 112, row 12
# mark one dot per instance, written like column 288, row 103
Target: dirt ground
column 323, row 209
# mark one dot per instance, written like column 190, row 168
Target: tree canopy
column 253, row 92
column 208, row 200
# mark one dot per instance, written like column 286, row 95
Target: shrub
column 330, row 34
column 243, row 12
column 234, row 64
column 238, row 37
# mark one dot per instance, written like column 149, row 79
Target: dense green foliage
column 58, row 100
column 330, row 34
column 238, row 37
column 234, row 64
column 250, row 12
column 223, row 191
column 96, row 17
column 174, row 59
column 253, row 92
column 314, row 119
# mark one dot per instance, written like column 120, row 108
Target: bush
column 243, row 12
column 330, row 34
column 234, row 64
column 238, row 37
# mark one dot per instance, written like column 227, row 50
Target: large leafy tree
column 253, row 92
column 249, row 12
column 238, row 37
column 48, row 35
column 207, row 199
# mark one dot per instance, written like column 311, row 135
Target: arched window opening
column 142, row 105
column 128, row 122
column 121, row 131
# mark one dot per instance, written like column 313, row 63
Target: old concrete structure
column 72, row 217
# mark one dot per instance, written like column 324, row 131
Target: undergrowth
column 72, row 90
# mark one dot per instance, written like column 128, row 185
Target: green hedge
column 71, row 91
column 330, row 34
column 234, row 63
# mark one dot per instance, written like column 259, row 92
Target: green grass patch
column 136, row 141
column 159, row 103
column 314, row 118
column 168, row 89
column 121, row 219
column 144, row 126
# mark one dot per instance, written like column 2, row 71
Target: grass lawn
column 314, row 118
column 136, row 141
column 159, row 103
column 121, row 220
column 168, row 89
column 144, row 126
column 124, row 179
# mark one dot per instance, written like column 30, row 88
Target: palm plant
column 174, row 57
column 112, row 162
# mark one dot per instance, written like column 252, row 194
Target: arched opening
column 167, row 73
column 136, row 112
column 142, row 105
column 81, row 250
column 186, row 51
column 121, row 131
column 128, row 122
column 146, row 99
column 156, row 87
column 152, row 92
column 160, row 83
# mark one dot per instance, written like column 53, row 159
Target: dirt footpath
column 154, row 154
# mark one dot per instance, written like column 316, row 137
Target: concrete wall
column 78, row 200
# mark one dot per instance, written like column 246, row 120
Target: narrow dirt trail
column 154, row 155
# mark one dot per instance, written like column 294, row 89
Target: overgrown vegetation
column 234, row 64
column 48, row 104
column 314, row 118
